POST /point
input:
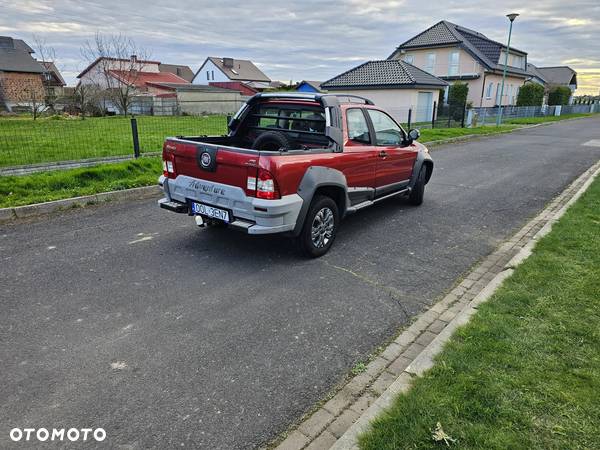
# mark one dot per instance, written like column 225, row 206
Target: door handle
column 382, row 154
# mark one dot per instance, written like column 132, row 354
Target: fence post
column 433, row 115
column 462, row 119
column 409, row 117
column 136, row 141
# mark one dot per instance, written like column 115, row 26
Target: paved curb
column 338, row 423
column 38, row 209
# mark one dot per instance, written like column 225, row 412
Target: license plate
column 210, row 211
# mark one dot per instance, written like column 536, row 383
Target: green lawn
column 534, row 120
column 435, row 134
column 47, row 139
column 525, row 373
column 59, row 184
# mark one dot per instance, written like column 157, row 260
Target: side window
column 387, row 132
column 358, row 130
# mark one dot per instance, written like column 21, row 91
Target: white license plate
column 210, row 211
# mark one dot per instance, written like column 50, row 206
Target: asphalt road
column 130, row 318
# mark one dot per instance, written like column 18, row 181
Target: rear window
column 291, row 117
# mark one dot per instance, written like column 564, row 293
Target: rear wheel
column 320, row 227
column 418, row 191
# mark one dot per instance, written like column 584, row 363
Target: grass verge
column 534, row 120
column 60, row 184
column 525, row 373
column 436, row 134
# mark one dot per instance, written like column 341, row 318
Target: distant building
column 20, row 75
column 107, row 72
column 238, row 74
column 180, row 70
column 554, row 76
column 309, row 86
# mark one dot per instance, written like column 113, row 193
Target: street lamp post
column 512, row 18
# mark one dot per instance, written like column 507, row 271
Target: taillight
column 168, row 163
column 261, row 184
column 265, row 185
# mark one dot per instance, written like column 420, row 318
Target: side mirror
column 414, row 134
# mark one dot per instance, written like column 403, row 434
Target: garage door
column 424, row 106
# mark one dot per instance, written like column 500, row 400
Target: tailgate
column 226, row 165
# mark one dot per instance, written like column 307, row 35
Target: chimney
column 228, row 62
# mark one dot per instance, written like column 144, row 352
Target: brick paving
column 412, row 352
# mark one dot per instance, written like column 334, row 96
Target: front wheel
column 320, row 227
column 418, row 190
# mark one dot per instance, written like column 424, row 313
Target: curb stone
column 39, row 209
column 440, row 321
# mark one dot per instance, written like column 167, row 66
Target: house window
column 453, row 63
column 430, row 67
column 490, row 90
column 409, row 59
column 212, row 73
column 208, row 75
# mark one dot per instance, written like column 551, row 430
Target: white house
column 220, row 70
column 393, row 85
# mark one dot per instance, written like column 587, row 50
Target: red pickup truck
column 295, row 164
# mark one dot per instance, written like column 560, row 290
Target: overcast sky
column 307, row 39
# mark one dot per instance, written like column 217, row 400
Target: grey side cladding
column 422, row 156
column 315, row 178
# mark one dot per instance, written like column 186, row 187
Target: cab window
column 387, row 132
column 358, row 130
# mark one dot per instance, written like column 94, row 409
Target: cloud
column 309, row 39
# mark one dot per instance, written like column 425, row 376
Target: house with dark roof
column 455, row 53
column 178, row 69
column 54, row 82
column 395, row 85
column 20, row 75
column 554, row 76
column 233, row 73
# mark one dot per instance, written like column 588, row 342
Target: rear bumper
column 251, row 215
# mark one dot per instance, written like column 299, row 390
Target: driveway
column 130, row 318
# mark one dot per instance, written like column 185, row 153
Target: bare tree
column 118, row 63
column 46, row 56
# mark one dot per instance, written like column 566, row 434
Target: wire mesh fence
column 24, row 141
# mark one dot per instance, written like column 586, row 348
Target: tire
column 416, row 194
column 272, row 141
column 323, row 215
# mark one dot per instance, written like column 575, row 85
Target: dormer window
column 410, row 59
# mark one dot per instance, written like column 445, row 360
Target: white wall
column 396, row 102
column 214, row 74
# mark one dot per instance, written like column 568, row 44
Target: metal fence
column 434, row 116
column 24, row 141
column 476, row 117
